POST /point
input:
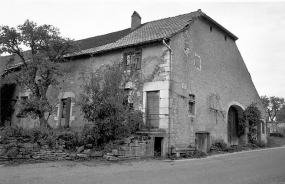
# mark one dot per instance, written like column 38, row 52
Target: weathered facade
column 189, row 80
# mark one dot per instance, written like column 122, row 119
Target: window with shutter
column 132, row 60
column 191, row 104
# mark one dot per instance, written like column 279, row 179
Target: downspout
column 169, row 88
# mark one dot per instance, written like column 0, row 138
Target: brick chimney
column 136, row 20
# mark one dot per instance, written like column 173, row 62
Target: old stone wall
column 20, row 148
column 207, row 63
column 15, row 148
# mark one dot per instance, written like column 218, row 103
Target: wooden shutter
column 68, row 106
column 138, row 56
column 124, row 63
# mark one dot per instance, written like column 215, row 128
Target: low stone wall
column 130, row 149
column 133, row 148
column 17, row 148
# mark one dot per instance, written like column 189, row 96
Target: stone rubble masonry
column 14, row 149
column 132, row 148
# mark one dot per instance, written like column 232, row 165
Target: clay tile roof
column 145, row 33
column 148, row 32
column 97, row 41
column 152, row 31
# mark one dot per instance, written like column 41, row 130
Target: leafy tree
column 39, row 65
column 104, row 102
column 272, row 105
column 280, row 117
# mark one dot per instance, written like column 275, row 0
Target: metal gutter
column 170, row 72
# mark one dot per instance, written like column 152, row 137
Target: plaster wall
column 221, row 80
column 153, row 75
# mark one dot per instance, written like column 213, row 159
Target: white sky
column 260, row 26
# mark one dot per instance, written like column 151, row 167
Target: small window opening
column 211, row 28
column 191, row 104
column 197, row 62
column 263, row 128
column 132, row 60
column 225, row 38
column 24, row 98
column 128, row 100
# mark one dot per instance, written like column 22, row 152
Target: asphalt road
column 260, row 167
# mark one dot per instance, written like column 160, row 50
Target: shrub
column 219, row 145
column 35, row 135
column 9, row 131
column 199, row 154
column 259, row 144
column 104, row 103
column 237, row 148
column 251, row 146
column 66, row 137
column 42, row 136
column 88, row 135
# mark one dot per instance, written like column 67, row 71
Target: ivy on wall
column 253, row 115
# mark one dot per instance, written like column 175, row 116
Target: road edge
column 224, row 154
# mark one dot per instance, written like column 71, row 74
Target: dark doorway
column 153, row 109
column 7, row 104
column 233, row 126
column 158, row 146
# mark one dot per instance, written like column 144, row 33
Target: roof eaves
column 14, row 66
column 220, row 26
column 125, row 46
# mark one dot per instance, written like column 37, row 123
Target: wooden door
column 153, row 109
column 233, row 126
column 66, row 105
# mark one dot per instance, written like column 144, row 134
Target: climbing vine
column 214, row 105
column 253, row 115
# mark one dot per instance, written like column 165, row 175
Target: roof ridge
column 118, row 43
column 103, row 34
column 171, row 17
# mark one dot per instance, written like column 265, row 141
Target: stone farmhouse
column 197, row 81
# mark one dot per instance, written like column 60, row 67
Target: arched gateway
column 233, row 112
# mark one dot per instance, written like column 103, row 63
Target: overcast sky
column 260, row 26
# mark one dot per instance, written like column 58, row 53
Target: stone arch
column 233, row 111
